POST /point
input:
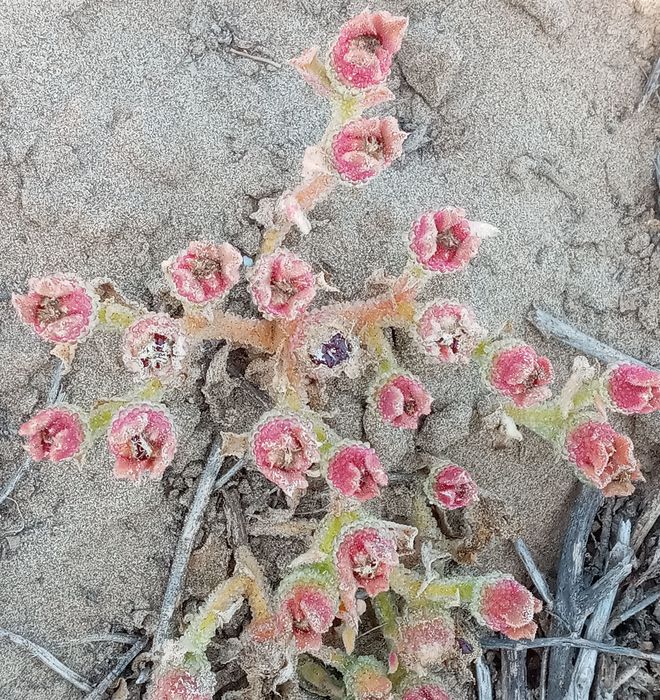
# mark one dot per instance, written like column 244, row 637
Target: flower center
column 283, row 290
column 446, row 239
column 46, row 438
column 367, row 42
column 410, row 407
column 332, row 353
column 365, row 566
column 50, row 310
column 140, row 447
column 286, row 455
column 204, row 267
column 373, row 147
column 157, row 353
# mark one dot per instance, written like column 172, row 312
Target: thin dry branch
column 53, row 393
column 537, row 577
column 514, row 674
column 184, row 547
column 585, row 666
column 549, row 325
column 651, row 87
column 569, row 617
column 484, row 681
column 645, row 522
column 634, row 609
column 556, row 643
column 116, row 671
column 48, row 659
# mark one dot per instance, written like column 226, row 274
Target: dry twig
column 121, row 665
column 550, row 325
column 484, row 682
column 184, row 547
column 533, row 571
column 48, row 659
column 651, row 87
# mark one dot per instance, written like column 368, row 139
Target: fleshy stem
column 446, row 592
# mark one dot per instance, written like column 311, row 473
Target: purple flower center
column 446, row 239
column 410, row 407
column 332, row 353
column 464, row 646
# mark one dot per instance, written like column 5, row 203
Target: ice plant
column 365, row 147
column 362, row 54
column 357, row 566
column 450, row 486
column 204, row 272
column 507, row 607
column 355, row 470
column 282, row 285
column 449, row 331
column 59, row 308
column 603, row 457
column 402, row 401
column 284, row 449
column 154, row 347
column 54, row 434
column 517, row 371
column 141, row 439
column 632, row 388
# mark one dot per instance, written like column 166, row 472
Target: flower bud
column 174, row 683
column 425, row 690
column 425, row 640
column 366, row 679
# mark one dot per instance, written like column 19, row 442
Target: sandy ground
column 129, row 128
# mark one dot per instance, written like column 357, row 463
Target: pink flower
column 282, row 285
column 449, row 332
column 154, row 347
column 355, row 470
column 633, row 388
column 363, row 148
column 54, row 433
column 426, row 642
column 59, row 308
column 284, row 449
column 402, row 401
column 426, row 691
column 451, row 487
column 444, row 240
column 307, row 611
column 507, row 607
column 604, row 457
column 518, row 372
column 179, row 684
column 203, row 272
column 365, row 558
column 141, row 438
column 362, row 55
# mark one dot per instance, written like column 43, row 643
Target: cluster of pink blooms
column 289, row 447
